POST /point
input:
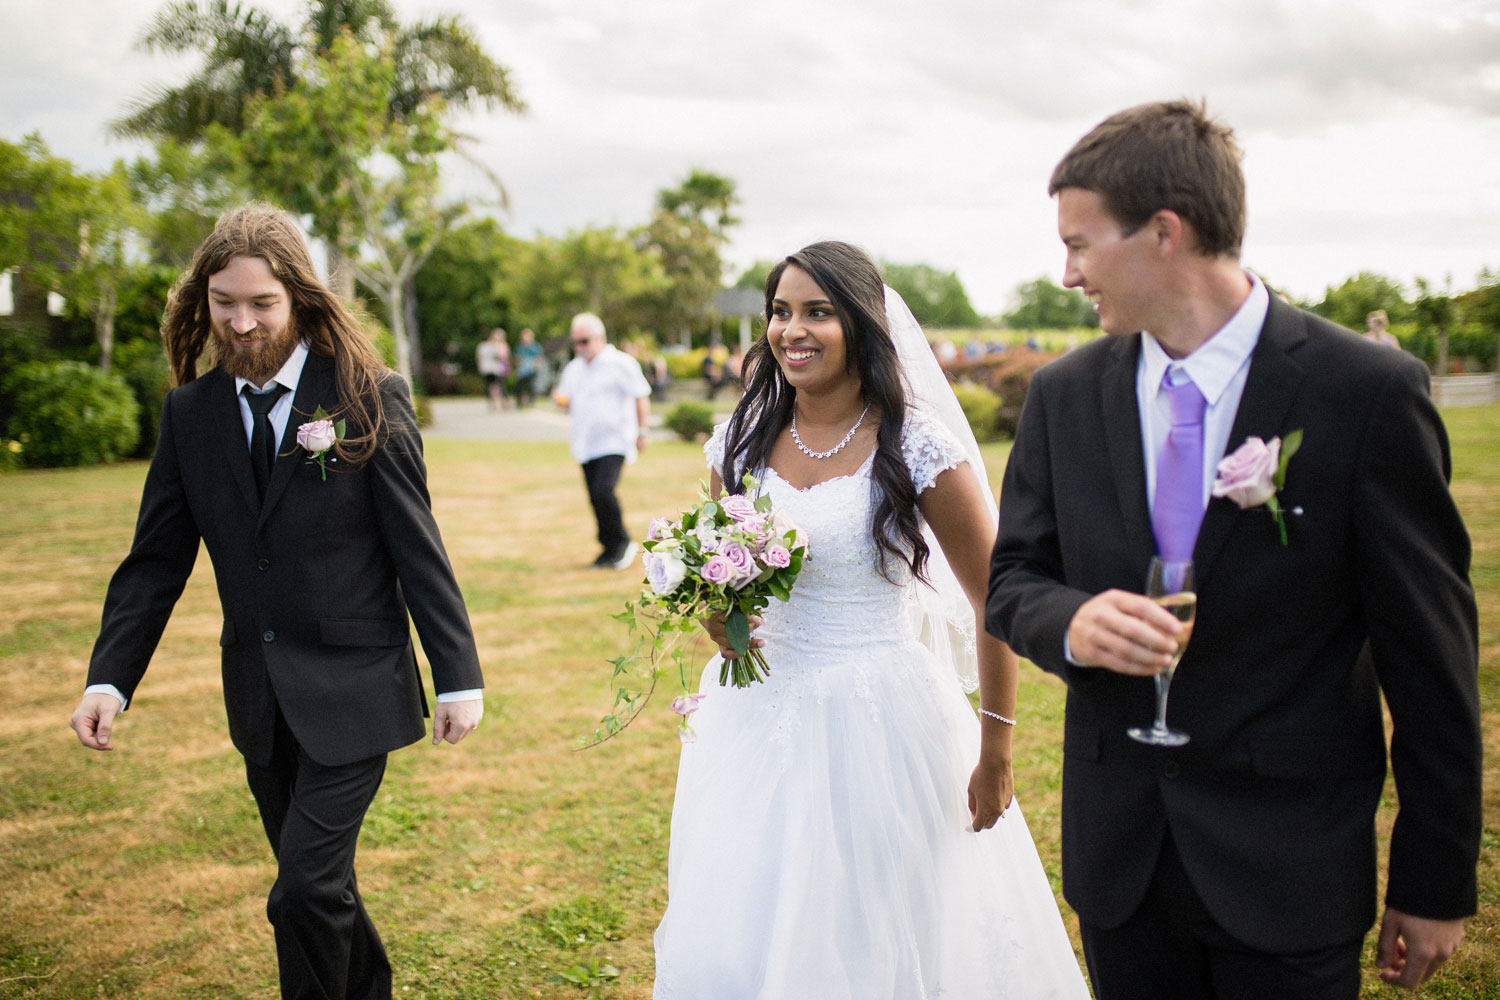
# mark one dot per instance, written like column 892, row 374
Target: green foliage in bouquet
column 726, row 556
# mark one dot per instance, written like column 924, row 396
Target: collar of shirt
column 1219, row 368
column 289, row 375
column 1213, row 365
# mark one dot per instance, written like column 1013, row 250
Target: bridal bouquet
column 728, row 556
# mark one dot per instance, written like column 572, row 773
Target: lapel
column 235, row 446
column 314, row 388
column 1272, row 385
column 1120, row 411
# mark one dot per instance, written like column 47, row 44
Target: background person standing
column 609, row 400
column 492, row 357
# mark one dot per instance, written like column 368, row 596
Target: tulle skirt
column 819, row 846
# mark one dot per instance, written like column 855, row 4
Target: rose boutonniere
column 1254, row 473
column 318, row 436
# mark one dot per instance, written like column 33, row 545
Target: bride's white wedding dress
column 819, row 847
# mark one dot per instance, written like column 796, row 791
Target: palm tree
column 248, row 53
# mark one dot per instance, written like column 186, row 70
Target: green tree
column 1044, row 305
column 465, row 288
column 756, row 275
column 936, row 298
column 326, row 148
column 250, row 56
column 1357, row 297
column 183, row 194
column 598, row 270
column 247, row 52
column 71, row 232
column 1481, row 307
column 1433, row 312
column 687, row 233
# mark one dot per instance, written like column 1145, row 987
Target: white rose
column 664, row 571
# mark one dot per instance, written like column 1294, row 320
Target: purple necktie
column 1178, row 509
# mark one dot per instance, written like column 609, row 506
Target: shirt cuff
column 472, row 694
column 1068, row 652
column 107, row 689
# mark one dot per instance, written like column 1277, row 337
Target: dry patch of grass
column 490, row 867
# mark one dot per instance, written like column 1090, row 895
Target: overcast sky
column 924, row 132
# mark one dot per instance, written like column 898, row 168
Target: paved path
column 470, row 418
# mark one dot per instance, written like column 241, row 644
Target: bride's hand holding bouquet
column 719, row 563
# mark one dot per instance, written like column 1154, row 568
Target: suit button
column 1168, row 770
column 262, row 564
column 269, row 636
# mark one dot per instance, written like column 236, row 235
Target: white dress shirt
column 601, row 398
column 1219, row 368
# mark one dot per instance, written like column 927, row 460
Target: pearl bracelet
column 997, row 715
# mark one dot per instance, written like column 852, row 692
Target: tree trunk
column 1442, row 358
column 340, row 273
column 104, row 326
column 413, row 324
column 396, row 315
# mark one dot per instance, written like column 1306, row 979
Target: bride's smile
column 806, row 333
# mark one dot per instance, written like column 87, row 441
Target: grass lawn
column 509, row 866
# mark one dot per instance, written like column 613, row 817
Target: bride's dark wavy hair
column 850, row 280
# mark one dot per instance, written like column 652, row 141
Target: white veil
column 941, row 614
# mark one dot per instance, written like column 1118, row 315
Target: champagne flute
column 1169, row 584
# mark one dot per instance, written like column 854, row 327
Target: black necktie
column 262, row 434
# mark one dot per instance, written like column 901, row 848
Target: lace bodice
column 841, row 601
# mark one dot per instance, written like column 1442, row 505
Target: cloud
column 924, row 132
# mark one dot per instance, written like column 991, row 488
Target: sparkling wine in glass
column 1169, row 584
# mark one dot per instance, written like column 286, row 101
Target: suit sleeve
column 146, row 586
column 403, row 510
column 1029, row 607
column 1412, row 554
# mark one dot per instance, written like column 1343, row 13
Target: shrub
column 70, row 413
column 423, row 410
column 143, row 366
column 12, row 455
column 19, row 344
column 689, row 419
column 1007, row 374
column 981, row 408
column 686, row 365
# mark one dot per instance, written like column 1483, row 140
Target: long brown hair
column 850, row 279
column 261, row 230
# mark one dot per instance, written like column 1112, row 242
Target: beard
column 260, row 364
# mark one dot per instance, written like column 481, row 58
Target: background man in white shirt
column 609, row 400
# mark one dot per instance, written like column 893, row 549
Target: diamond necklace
column 796, row 439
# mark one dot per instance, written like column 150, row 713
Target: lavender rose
column 717, row 570
column 737, row 506
column 317, row 435
column 660, row 528
column 1246, row 476
column 743, row 562
column 664, row 571
column 777, row 557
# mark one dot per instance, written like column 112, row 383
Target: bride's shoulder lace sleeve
column 713, row 448
column 929, row 449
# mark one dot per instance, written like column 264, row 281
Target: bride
column 823, row 835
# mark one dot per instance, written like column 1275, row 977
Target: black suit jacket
column 1272, row 803
column 315, row 583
